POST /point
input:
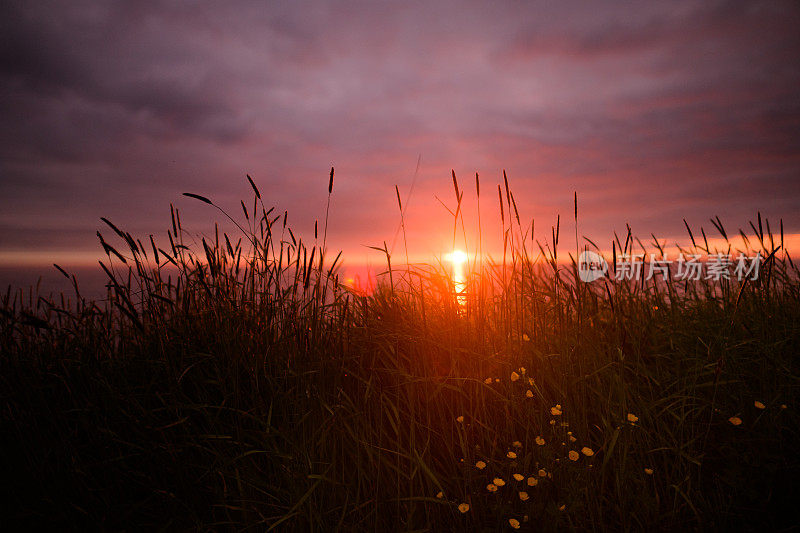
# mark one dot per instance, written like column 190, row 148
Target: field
column 241, row 385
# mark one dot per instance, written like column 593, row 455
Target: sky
column 652, row 112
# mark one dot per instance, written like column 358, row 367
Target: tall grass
column 238, row 384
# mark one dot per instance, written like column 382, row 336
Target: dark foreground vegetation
column 235, row 383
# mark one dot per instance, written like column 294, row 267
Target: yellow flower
column 440, row 495
column 588, row 452
column 460, row 419
column 525, row 337
column 530, row 382
column 519, row 477
column 491, row 487
column 542, row 472
column 529, row 393
column 552, row 422
column 514, row 523
column 539, row 440
column 759, row 405
column 632, row 417
column 488, row 381
column 555, row 411
column 480, row 465
column 735, row 420
column 532, row 481
column 573, row 455
column 514, row 376
column 464, row 507
column 499, row 482
column 572, row 438
column 648, row 471
column 522, row 370
column 523, row 496
column 516, row 444
column 511, row 455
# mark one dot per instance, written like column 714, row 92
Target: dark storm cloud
column 114, row 108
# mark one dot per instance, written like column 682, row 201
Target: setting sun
column 457, row 257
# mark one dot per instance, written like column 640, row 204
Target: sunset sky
column 652, row 112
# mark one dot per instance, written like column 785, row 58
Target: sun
column 458, row 257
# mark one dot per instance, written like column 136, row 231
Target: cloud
column 647, row 110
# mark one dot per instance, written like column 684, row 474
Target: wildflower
column 529, row 393
column 573, row 455
column 525, row 337
column 542, row 472
column 440, row 495
column 480, row 465
column 516, row 444
column 491, row 487
column 497, row 380
column 552, row 422
column 562, row 507
column 588, row 452
column 735, row 420
column 464, row 507
column 555, row 411
column 632, row 418
column 648, row 471
column 522, row 370
column 460, row 419
column 532, row 481
column 530, row 382
column 519, row 477
column 539, row 440
column 759, row 405
column 511, row 455
column 514, row 523
column 488, row 381
column 572, row 438
column 498, row 481
column 523, row 496
column 514, row 376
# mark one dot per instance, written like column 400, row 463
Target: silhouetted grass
column 236, row 384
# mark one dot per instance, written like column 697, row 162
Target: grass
column 237, row 384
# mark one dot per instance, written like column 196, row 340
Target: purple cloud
column 652, row 112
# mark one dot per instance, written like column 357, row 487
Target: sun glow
column 459, row 259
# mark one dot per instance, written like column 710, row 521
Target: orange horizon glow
column 86, row 258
